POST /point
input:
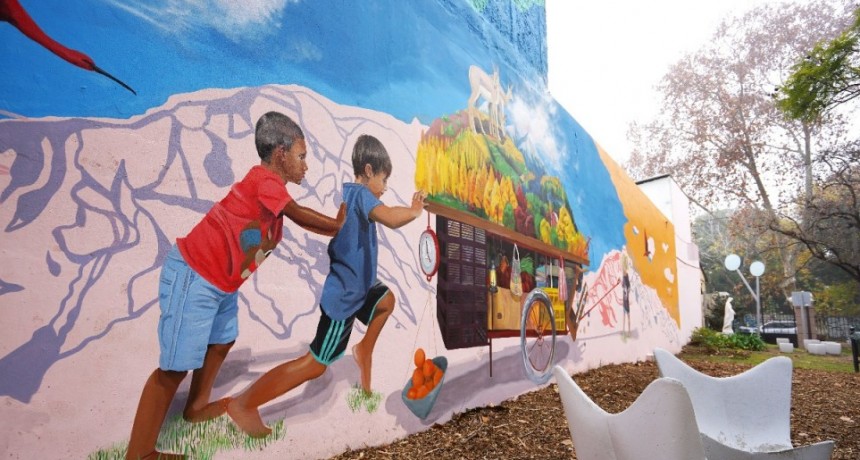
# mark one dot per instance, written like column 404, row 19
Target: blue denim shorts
column 194, row 314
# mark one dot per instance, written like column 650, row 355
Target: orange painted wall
column 655, row 262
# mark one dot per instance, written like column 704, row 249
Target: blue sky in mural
column 164, row 47
column 591, row 190
column 544, row 129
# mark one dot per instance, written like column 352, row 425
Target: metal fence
column 782, row 317
column 835, row 328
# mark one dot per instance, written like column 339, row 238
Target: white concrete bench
column 833, row 348
column 660, row 424
column 816, row 348
column 746, row 415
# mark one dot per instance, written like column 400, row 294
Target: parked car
column 748, row 329
column 779, row 327
column 770, row 327
column 772, row 330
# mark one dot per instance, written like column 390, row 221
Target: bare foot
column 364, row 361
column 212, row 410
column 156, row 455
column 248, row 420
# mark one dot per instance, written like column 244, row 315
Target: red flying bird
column 12, row 12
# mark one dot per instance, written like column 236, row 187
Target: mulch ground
column 825, row 405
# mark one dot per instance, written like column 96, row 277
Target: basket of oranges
column 420, row 392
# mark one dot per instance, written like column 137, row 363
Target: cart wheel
column 537, row 336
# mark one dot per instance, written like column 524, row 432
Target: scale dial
column 428, row 253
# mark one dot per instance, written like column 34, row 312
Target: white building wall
column 665, row 193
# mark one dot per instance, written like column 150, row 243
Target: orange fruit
column 422, row 392
column 412, row 393
column 429, row 368
column 419, row 357
column 437, row 377
column 417, row 378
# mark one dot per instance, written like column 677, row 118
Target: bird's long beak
column 99, row 70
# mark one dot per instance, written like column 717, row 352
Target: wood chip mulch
column 825, row 405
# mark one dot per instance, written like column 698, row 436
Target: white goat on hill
column 490, row 89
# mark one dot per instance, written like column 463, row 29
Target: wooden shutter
column 461, row 303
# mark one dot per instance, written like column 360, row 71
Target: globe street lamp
column 733, row 263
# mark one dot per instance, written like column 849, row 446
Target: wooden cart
column 469, row 313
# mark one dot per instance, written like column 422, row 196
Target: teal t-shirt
column 352, row 255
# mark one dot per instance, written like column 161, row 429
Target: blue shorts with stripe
column 333, row 336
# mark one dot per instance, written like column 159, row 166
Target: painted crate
column 557, row 308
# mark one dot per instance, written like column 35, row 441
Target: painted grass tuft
column 356, row 398
column 199, row 440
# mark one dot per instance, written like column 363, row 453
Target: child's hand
column 418, row 200
column 311, row 220
column 398, row 216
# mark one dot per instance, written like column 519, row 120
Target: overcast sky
column 605, row 57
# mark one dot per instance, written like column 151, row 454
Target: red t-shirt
column 239, row 232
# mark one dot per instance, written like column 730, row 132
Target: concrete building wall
column 103, row 166
column 674, row 204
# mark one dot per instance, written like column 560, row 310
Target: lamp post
column 733, row 263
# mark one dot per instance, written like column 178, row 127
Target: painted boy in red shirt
column 201, row 275
column 351, row 290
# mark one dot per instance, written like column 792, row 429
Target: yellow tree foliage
column 464, row 184
column 578, row 246
column 431, row 150
column 502, row 195
column 565, row 229
column 552, row 184
column 510, row 150
column 472, row 149
column 490, row 194
column 462, row 169
column 508, row 194
column 453, row 167
column 454, row 172
column 422, row 165
column 497, row 205
column 441, row 174
column 545, row 232
column 493, row 185
column 469, row 186
column 480, row 184
column 421, row 179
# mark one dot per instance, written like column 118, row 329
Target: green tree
column 827, row 77
column 720, row 133
column 841, row 299
column 718, row 235
column 828, row 223
column 508, row 216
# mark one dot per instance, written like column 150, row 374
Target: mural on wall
column 12, row 12
column 649, row 238
column 96, row 183
column 468, row 162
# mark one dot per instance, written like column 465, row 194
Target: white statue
column 728, row 318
